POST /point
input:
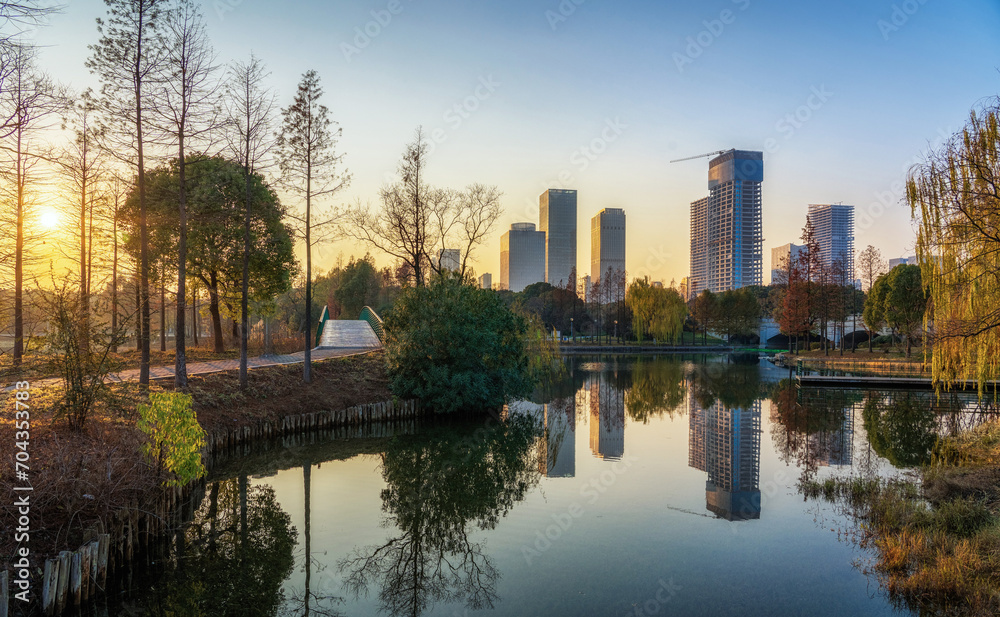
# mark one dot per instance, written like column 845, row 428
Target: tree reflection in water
column 440, row 484
column 236, row 554
column 901, row 427
column 658, row 387
column 812, row 428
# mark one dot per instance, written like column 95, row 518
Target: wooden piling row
column 357, row 416
column 75, row 578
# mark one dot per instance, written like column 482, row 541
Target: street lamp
column 616, row 331
column 572, row 332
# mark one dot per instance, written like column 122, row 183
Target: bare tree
column 417, row 219
column 126, row 59
column 186, row 113
column 309, row 167
column 31, row 101
column 81, row 165
column 404, row 225
column 871, row 266
column 250, row 108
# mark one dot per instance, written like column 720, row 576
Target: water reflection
column 447, row 487
column 439, row 487
column 235, row 556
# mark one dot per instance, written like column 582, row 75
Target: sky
column 599, row 96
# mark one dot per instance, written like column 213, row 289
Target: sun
column 48, row 218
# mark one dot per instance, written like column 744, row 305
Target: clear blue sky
column 883, row 79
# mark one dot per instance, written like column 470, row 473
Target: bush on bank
column 456, row 347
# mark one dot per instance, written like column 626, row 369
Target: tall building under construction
column 726, row 237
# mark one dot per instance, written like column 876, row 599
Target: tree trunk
column 19, row 268
column 163, row 313
column 180, row 329
column 138, row 321
column 195, row 321
column 307, row 355
column 213, row 309
column 114, row 283
column 268, row 339
column 84, row 307
column 245, row 288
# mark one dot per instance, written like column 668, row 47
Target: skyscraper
column 607, row 243
column 726, row 238
column 557, row 218
column 522, row 257
column 834, row 228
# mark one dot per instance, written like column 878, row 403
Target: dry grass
column 936, row 547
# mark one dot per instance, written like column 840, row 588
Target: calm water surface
column 631, row 486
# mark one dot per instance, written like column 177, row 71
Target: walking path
column 214, row 366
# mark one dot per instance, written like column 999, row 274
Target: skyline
column 630, row 80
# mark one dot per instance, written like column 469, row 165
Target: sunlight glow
column 48, row 218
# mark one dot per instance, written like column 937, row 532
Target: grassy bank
column 935, row 540
column 81, row 478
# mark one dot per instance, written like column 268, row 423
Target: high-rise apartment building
column 903, row 261
column 557, row 218
column 522, row 257
column 781, row 258
column 726, row 236
column 607, row 243
column 833, row 225
column 486, row 281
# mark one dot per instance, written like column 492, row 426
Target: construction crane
column 700, row 156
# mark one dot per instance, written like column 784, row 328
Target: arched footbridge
column 363, row 333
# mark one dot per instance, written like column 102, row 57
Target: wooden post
column 62, row 595
column 93, row 568
column 4, row 594
column 50, row 583
column 103, row 544
column 75, row 578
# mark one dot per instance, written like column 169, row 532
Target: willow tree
column 955, row 197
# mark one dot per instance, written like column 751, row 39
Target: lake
column 628, row 486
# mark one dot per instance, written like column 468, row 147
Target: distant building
column 449, row 259
column 834, row 228
column 607, row 243
column 657, row 284
column 903, row 261
column 683, row 289
column 726, row 234
column 522, row 257
column 781, row 258
column 585, row 296
column 486, row 281
column 557, row 218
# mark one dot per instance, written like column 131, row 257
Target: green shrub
column 175, row 437
column 456, row 347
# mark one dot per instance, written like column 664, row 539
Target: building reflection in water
column 558, row 458
column 607, row 418
column 725, row 442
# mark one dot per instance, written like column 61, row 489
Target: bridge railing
column 323, row 318
column 369, row 315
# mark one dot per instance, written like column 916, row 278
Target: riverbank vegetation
column 83, row 476
column 935, row 539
